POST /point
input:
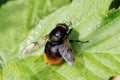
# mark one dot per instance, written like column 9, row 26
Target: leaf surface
column 96, row 60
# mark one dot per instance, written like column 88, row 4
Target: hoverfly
column 58, row 45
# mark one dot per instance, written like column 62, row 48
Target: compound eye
column 62, row 25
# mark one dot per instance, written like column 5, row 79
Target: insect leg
column 70, row 23
column 78, row 41
column 69, row 32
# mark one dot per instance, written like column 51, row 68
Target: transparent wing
column 67, row 52
column 34, row 46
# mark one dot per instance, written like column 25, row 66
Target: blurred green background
column 115, row 3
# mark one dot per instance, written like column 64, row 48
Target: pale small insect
column 29, row 48
column 34, row 45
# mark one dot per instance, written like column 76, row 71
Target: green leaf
column 96, row 60
column 17, row 18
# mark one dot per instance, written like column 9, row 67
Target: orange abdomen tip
column 56, row 60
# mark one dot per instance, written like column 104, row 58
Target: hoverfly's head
column 62, row 26
column 56, row 35
column 59, row 32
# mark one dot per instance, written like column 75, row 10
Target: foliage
column 91, row 20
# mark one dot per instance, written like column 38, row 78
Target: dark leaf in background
column 115, row 4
